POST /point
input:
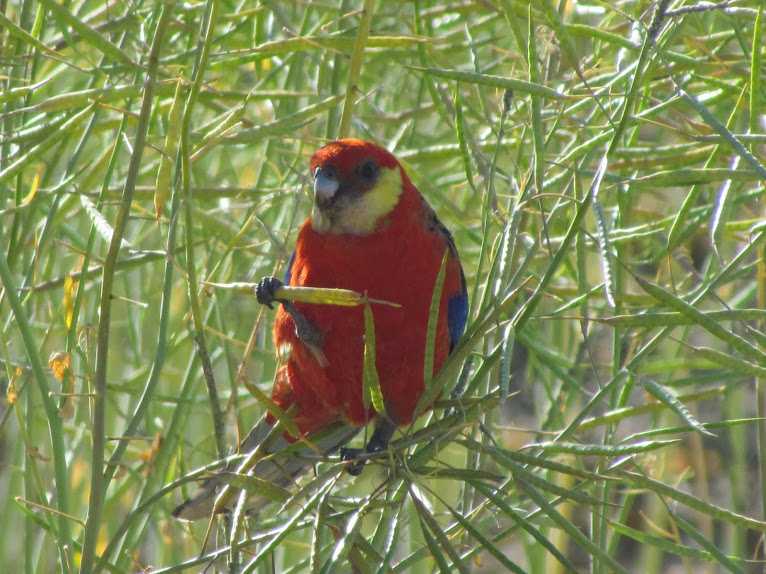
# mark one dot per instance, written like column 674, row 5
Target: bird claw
column 306, row 331
column 378, row 443
column 265, row 291
column 352, row 455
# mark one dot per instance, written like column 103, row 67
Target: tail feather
column 283, row 463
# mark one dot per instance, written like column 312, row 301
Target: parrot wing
column 457, row 304
column 289, row 269
column 281, row 463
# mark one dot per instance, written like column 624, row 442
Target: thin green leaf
column 355, row 67
column 684, row 429
column 425, row 515
column 498, row 554
column 287, row 526
column 519, row 86
column 663, row 544
column 36, row 152
column 283, row 125
column 344, row 542
column 433, row 323
column 672, row 319
column 740, row 366
column 756, row 57
column 728, row 562
column 619, row 414
column 461, row 138
column 693, row 502
column 522, row 477
column 89, row 35
column 601, row 449
column 723, row 131
column 525, row 524
column 667, row 397
column 371, row 391
column 704, row 321
column 605, row 253
column 582, row 208
column 255, row 485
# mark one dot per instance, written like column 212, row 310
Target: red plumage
column 373, row 233
column 398, row 262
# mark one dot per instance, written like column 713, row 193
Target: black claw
column 265, row 289
column 378, row 442
column 352, row 455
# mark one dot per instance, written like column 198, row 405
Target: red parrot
column 370, row 231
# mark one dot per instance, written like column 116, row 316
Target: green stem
column 97, row 486
column 51, row 413
column 198, row 333
column 355, row 67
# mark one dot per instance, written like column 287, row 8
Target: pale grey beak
column 325, row 184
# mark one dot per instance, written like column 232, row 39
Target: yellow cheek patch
column 319, row 222
column 362, row 215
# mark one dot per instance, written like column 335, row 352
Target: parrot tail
column 279, row 462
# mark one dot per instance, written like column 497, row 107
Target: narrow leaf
column 666, row 397
column 601, row 449
column 371, row 391
column 513, row 84
column 168, row 157
column 702, row 320
column 430, row 342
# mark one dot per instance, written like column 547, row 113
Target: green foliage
column 601, row 167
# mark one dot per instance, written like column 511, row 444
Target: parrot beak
column 326, row 185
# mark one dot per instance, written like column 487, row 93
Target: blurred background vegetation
column 601, row 167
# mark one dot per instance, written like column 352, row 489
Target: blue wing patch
column 289, row 269
column 457, row 305
column 457, row 314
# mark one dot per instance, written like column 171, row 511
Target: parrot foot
column 265, row 290
column 307, row 332
column 352, row 455
column 384, row 430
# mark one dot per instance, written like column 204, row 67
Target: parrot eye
column 368, row 170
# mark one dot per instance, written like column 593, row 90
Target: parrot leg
column 307, row 332
column 384, row 430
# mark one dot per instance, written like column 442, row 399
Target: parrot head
column 356, row 185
